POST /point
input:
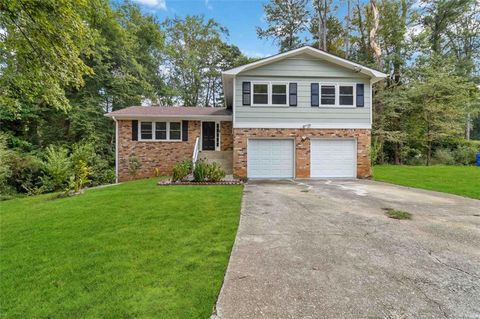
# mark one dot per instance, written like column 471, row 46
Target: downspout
column 116, row 149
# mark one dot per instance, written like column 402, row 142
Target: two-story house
column 299, row 114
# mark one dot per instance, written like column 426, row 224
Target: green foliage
column 133, row 166
column 200, row 171
column 287, row 19
column 81, row 172
column 444, row 156
column 211, row 172
column 181, row 170
column 57, row 167
column 397, row 214
column 215, row 172
column 5, row 170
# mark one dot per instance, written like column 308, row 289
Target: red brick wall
column 302, row 147
column 226, row 136
column 154, row 154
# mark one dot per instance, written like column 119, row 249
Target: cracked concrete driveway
column 323, row 249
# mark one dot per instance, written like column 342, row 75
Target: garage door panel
column 270, row 158
column 333, row 158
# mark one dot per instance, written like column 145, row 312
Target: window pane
column 160, row 126
column 174, row 135
column 346, row 95
column 260, row 88
column 346, row 90
column 175, row 126
column 346, row 100
column 146, row 130
column 279, row 99
column 328, row 101
column 175, row 131
column 260, row 99
column 328, row 95
column 279, row 89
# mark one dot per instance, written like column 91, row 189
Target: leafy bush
column 208, row 172
column 133, row 166
column 200, row 171
column 181, row 170
column 412, row 156
column 5, row 170
column 215, row 173
column 81, row 172
column 465, row 154
column 444, row 156
column 57, row 167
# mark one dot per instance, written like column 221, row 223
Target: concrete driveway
column 322, row 249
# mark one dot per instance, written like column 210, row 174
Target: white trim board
column 345, row 126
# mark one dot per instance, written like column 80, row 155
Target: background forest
column 65, row 63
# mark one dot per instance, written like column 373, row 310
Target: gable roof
column 316, row 53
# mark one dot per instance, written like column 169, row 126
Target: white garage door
column 270, row 158
column 333, row 158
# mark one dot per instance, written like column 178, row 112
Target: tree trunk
column 398, row 150
column 347, row 32
column 373, row 34
column 324, row 27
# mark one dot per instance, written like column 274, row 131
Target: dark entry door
column 208, row 136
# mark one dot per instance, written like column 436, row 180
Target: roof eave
column 170, row 116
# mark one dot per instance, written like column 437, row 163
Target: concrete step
column 222, row 158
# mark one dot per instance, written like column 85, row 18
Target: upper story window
column 327, row 95
column 279, row 94
column 260, row 93
column 164, row 131
column 269, row 93
column 346, row 95
column 334, row 94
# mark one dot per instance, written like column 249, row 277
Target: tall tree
column 40, row 51
column 286, row 20
column 193, row 52
column 335, row 36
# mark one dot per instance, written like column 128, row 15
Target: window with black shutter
column 360, row 95
column 292, row 91
column 246, row 93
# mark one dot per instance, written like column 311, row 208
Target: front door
column 208, row 136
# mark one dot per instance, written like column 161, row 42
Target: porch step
column 222, row 158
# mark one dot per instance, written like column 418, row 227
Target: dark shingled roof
column 158, row 111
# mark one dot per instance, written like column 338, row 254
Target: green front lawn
column 134, row 250
column 459, row 180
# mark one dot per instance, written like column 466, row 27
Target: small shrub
column 79, row 179
column 412, row 156
column 444, row 156
column 133, row 166
column 215, row 172
column 57, row 167
column 181, row 170
column 200, row 171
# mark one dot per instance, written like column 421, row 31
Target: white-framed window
column 146, row 130
column 328, row 94
column 269, row 94
column 160, row 131
column 337, row 95
column 260, row 93
column 346, row 95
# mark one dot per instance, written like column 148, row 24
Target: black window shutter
column 292, row 92
column 314, row 94
column 134, row 130
column 245, row 93
column 360, row 95
column 184, row 130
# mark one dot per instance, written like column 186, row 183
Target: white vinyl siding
column 333, row 158
column 270, row 158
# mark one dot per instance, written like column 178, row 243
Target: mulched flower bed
column 223, row 182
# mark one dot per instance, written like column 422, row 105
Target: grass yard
column 459, row 180
column 134, row 250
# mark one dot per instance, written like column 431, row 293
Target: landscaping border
column 224, row 182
